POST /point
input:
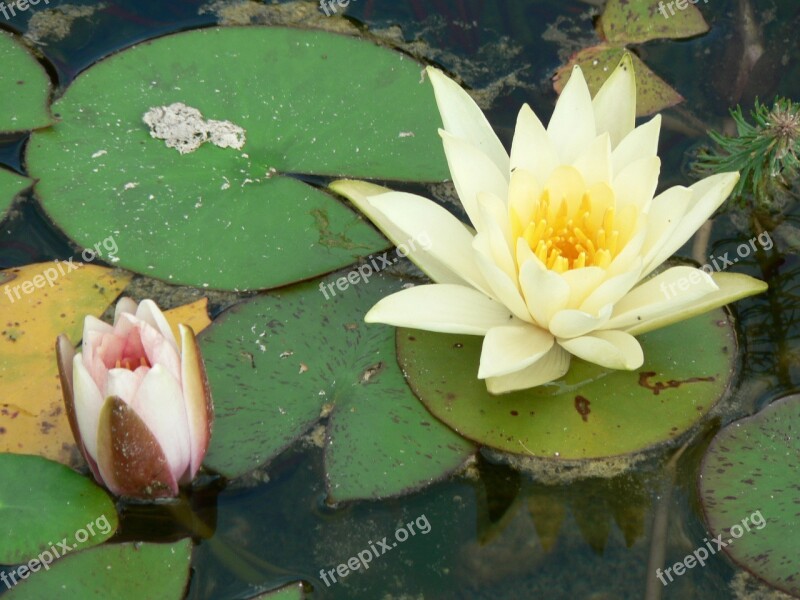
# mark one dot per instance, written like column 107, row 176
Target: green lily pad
column 633, row 22
column 750, row 489
column 43, row 503
column 590, row 413
column 128, row 571
column 11, row 185
column 279, row 363
column 24, row 88
column 310, row 103
column 653, row 94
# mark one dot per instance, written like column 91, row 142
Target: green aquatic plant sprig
column 765, row 153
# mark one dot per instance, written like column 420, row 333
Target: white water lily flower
column 566, row 232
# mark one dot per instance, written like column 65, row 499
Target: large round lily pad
column 45, row 506
column 24, row 88
column 590, row 413
column 310, row 103
column 750, row 488
column 279, row 363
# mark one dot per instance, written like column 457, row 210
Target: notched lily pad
column 24, row 88
column 750, row 489
column 653, row 94
column 281, row 363
column 592, row 412
column 47, row 506
column 636, row 21
column 11, row 185
column 228, row 218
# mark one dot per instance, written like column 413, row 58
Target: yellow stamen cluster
column 126, row 364
column 564, row 241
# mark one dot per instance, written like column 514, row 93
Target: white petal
column 640, row 143
column 149, row 312
column 636, row 184
column 199, row 407
column 572, row 126
column 630, row 257
column 88, row 401
column 612, row 290
column 125, row 305
column 549, row 367
column 124, row 383
column 445, row 308
column 472, row 173
column 615, row 102
column 582, row 282
column 667, row 292
column 503, row 288
column 532, row 149
column 361, row 193
column 732, row 287
column 545, row 291
column 610, row 349
column 571, row 323
column 449, row 243
column 463, row 118
column 159, row 402
column 509, row 349
column 594, row 163
column 707, row 196
column 663, row 218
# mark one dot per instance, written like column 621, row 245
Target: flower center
column 564, row 239
column 127, row 364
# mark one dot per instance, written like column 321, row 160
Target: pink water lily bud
column 139, row 406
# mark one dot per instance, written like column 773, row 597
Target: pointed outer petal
column 88, row 401
column 509, row 349
column 532, row 149
column 463, row 118
column 636, row 184
column 571, row 323
column 124, row 383
column 654, row 298
column 504, row 289
column 610, row 349
column 663, row 218
column 615, row 102
column 640, row 143
column 361, row 193
column 545, row 291
column 594, row 163
column 450, row 243
column 612, row 290
column 572, row 126
column 472, row 173
column 582, row 282
column 125, row 305
column 732, row 287
column 707, row 196
column 493, row 242
column 159, row 350
column 197, row 393
column 131, row 461
column 149, row 312
column 494, row 216
column 442, row 307
column 549, row 367
column 628, row 259
column 160, row 405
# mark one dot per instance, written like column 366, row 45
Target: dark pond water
column 499, row 536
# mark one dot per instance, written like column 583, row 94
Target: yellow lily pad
column 653, row 94
column 636, row 21
column 194, row 314
column 40, row 301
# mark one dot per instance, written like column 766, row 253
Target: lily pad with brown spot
column 24, row 88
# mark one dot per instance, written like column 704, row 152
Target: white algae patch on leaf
column 184, row 128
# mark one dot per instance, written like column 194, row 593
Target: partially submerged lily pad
column 11, row 185
column 43, row 503
column 311, row 103
column 121, row 571
column 280, row 363
column 592, row 412
column 24, row 88
column 626, row 22
column 34, row 313
column 750, row 488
